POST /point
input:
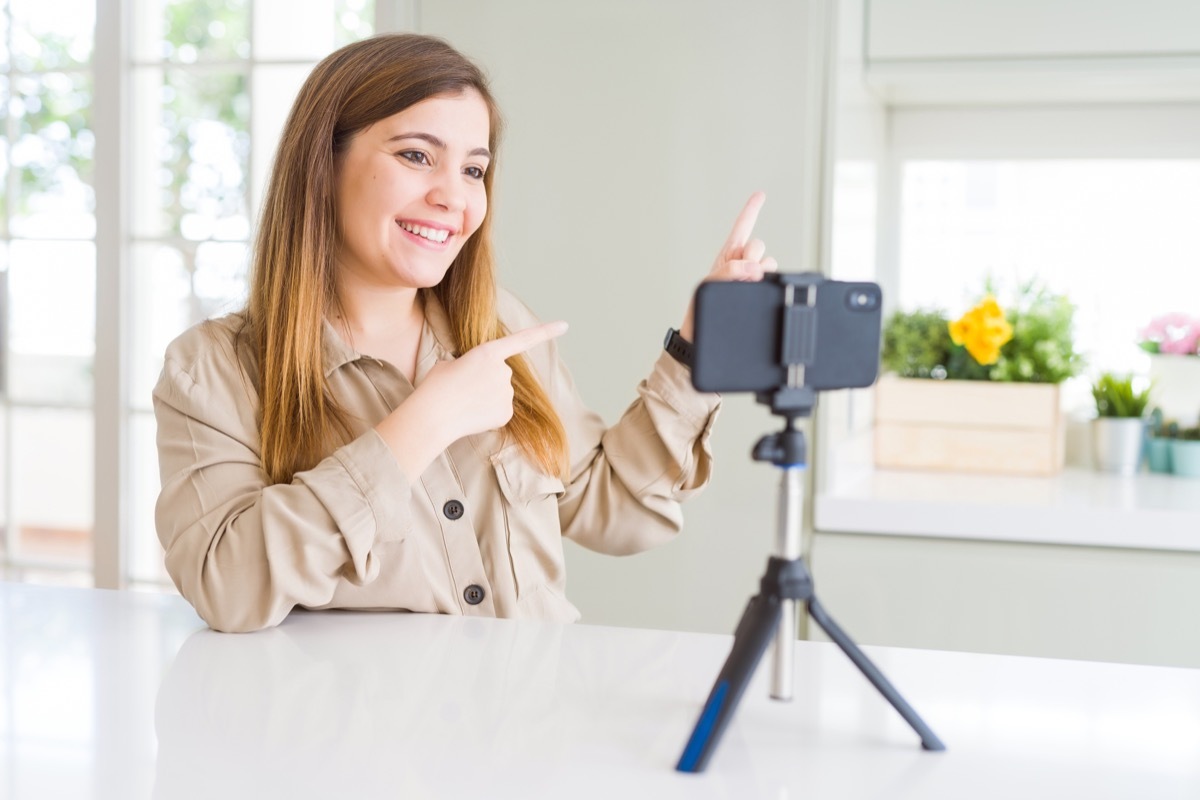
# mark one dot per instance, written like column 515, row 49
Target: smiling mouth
column 431, row 234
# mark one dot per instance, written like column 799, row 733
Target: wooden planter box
column 969, row 426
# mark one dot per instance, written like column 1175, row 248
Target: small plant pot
column 1185, row 458
column 1158, row 454
column 1117, row 444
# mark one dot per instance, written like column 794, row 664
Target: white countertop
column 1078, row 507
column 126, row 695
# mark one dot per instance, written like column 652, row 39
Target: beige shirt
column 352, row 532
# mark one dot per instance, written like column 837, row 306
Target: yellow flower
column 983, row 331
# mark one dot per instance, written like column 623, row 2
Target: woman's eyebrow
column 438, row 143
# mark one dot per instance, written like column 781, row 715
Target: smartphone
column 739, row 333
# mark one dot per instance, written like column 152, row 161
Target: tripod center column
column 787, row 546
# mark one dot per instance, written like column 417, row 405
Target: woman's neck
column 382, row 324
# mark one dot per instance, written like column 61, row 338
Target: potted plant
column 1032, row 341
column 1185, row 452
column 980, row 392
column 1159, row 441
column 1119, row 428
column 1173, row 341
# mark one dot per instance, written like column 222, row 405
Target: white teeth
column 432, row 234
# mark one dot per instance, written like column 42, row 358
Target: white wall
column 1021, row 51
column 1049, row 601
column 909, row 30
column 635, row 132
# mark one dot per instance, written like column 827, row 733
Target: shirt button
column 473, row 594
column 453, row 509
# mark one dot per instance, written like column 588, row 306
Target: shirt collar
column 334, row 351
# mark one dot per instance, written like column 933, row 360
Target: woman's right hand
column 468, row 395
column 741, row 258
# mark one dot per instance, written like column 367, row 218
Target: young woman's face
column 410, row 192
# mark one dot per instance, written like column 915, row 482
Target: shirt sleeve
column 627, row 481
column 242, row 552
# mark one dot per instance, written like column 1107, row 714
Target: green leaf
column 1115, row 396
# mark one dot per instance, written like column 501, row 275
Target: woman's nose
column 447, row 191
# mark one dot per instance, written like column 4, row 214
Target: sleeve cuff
column 672, row 381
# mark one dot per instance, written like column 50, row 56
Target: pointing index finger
column 522, row 340
column 744, row 224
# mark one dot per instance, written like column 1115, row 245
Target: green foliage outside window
column 51, row 103
column 203, row 142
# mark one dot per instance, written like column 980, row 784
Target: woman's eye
column 415, row 156
column 475, row 172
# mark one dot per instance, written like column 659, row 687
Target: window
column 207, row 85
column 1117, row 236
column 47, row 282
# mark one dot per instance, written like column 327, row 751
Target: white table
column 127, row 695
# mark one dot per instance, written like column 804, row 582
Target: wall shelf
column 1077, row 507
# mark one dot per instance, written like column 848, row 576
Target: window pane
column 355, row 20
column 52, row 35
column 52, row 490
column 145, row 552
column 53, row 155
column 52, row 308
column 3, row 154
column 275, row 89
column 219, row 283
column 854, row 201
column 324, row 26
column 306, row 36
column 1119, row 238
column 174, row 289
column 162, row 308
column 191, row 151
column 3, row 41
column 188, row 31
column 148, row 179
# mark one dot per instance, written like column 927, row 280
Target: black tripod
column 772, row 612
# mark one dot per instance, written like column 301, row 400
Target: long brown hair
column 292, row 282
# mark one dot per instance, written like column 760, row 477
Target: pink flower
column 1175, row 334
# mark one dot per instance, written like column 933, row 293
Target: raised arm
column 628, row 480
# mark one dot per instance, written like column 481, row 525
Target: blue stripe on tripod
column 704, row 729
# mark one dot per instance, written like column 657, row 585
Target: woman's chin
column 420, row 278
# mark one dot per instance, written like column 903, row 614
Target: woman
column 381, row 427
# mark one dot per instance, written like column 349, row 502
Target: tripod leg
column 929, row 740
column 750, row 640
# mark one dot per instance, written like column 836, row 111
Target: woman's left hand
column 741, row 258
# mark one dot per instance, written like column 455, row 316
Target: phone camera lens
column 862, row 300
